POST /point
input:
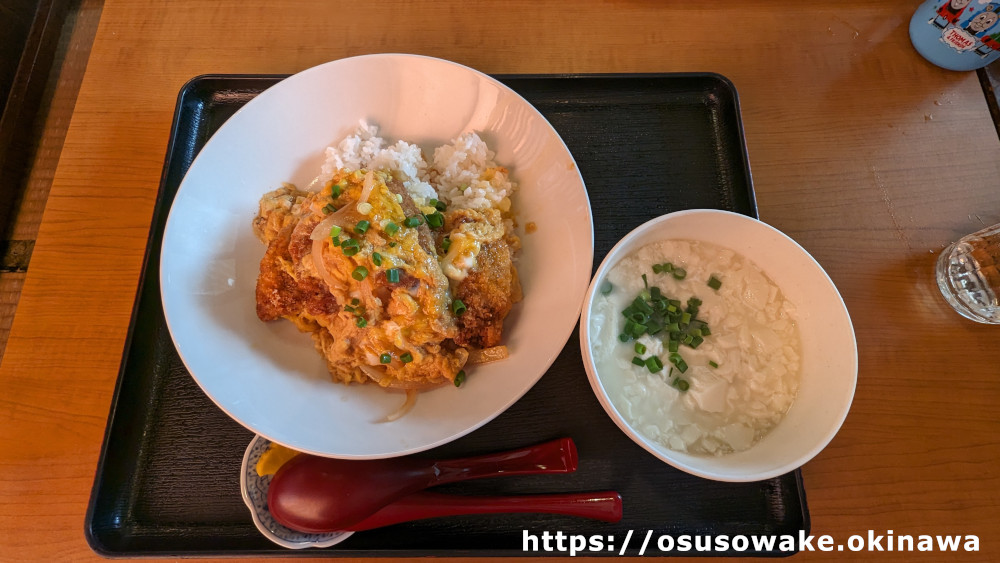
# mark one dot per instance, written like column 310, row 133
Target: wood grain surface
column 867, row 155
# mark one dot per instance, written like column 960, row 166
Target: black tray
column 167, row 482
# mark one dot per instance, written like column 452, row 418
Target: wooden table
column 867, row 155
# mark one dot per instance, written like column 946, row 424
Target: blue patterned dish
column 254, row 488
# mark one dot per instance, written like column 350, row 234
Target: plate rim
column 544, row 366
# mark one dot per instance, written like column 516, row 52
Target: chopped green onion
column 362, row 226
column 457, row 307
column 640, row 348
column 376, row 258
column 681, row 384
column 335, row 191
column 679, row 273
column 714, row 283
column 355, row 301
column 349, row 309
column 653, row 364
column 385, row 358
column 638, row 361
column 445, row 244
column 645, row 282
column 713, row 364
column 335, row 231
column 682, row 366
column 392, row 244
column 695, row 341
column 335, row 241
column 673, row 346
column 666, row 268
column 361, row 322
column 657, row 269
column 637, row 329
column 414, row 221
column 350, row 247
column 391, row 228
column 439, row 205
column 460, row 378
column 406, row 358
column 329, row 208
column 624, row 337
column 435, row 220
column 392, row 275
column 705, row 331
column 685, row 318
column 360, row 273
column 606, row 287
column 641, row 305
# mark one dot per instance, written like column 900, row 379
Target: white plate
column 268, row 376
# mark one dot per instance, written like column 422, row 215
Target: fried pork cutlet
column 488, row 293
column 480, row 263
column 351, row 266
column 279, row 294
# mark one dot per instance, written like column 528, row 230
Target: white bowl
column 268, row 376
column 829, row 363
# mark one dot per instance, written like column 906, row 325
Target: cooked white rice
column 460, row 174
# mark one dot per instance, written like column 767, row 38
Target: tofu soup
column 697, row 347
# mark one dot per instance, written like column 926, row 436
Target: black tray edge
column 95, row 543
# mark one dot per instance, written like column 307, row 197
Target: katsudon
column 402, row 269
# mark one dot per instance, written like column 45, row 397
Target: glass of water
column 968, row 274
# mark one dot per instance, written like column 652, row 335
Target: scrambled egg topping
column 366, row 272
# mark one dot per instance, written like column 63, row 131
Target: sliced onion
column 322, row 230
column 378, row 376
column 316, row 185
column 487, row 355
column 373, row 373
column 321, row 267
column 411, row 399
column 366, row 189
column 367, row 294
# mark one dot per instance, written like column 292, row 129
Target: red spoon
column 316, row 494
column 603, row 505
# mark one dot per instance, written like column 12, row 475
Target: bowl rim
column 612, row 258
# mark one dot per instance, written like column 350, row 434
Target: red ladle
column 602, row 505
column 318, row 494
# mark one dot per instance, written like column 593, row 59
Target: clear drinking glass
column 968, row 274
